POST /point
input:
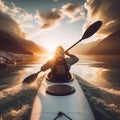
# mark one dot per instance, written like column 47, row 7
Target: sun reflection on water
column 93, row 75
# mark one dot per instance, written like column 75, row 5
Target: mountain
column 84, row 48
column 20, row 46
column 8, row 43
column 33, row 47
column 108, row 46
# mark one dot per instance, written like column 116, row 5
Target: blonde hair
column 59, row 53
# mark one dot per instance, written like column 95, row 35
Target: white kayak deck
column 47, row 107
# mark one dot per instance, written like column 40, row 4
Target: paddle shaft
column 39, row 71
column 74, row 45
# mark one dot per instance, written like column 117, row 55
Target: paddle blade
column 30, row 78
column 92, row 29
column 89, row 32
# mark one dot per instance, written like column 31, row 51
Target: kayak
column 61, row 100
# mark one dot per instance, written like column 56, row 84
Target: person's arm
column 46, row 66
column 73, row 59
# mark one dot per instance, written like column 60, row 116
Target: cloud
column 53, row 18
column 105, row 10
column 19, row 14
column 55, row 0
column 73, row 11
column 14, row 19
column 3, row 7
column 16, row 13
column 49, row 19
column 8, row 24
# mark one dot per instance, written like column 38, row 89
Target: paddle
column 31, row 78
column 92, row 29
column 89, row 32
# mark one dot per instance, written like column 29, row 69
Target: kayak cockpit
column 60, row 90
column 60, row 79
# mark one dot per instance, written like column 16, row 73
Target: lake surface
column 100, row 81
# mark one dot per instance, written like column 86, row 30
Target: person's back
column 60, row 65
column 60, row 69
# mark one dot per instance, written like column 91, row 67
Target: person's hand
column 42, row 68
column 67, row 53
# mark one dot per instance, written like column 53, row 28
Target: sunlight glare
column 51, row 49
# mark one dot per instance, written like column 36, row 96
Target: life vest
column 60, row 69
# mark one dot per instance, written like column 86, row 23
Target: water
column 100, row 80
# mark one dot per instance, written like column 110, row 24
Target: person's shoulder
column 67, row 59
column 51, row 60
column 72, row 59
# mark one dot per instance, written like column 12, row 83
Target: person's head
column 59, row 53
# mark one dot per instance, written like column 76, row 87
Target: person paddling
column 60, row 65
column 93, row 28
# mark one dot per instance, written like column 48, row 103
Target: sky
column 58, row 22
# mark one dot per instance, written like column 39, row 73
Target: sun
column 51, row 49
